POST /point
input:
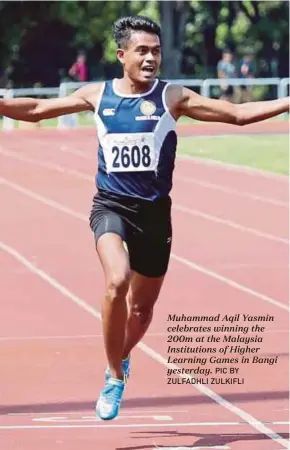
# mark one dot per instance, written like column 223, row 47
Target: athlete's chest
column 121, row 115
column 131, row 130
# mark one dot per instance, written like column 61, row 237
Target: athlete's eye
column 156, row 52
column 145, row 50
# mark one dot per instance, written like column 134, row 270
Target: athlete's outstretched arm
column 34, row 110
column 202, row 108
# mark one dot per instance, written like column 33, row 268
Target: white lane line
column 97, row 419
column 48, row 338
column 229, row 223
column 246, row 170
column 181, row 208
column 214, row 447
column 76, row 152
column 230, row 190
column 44, row 200
column 271, row 435
column 263, row 265
column 46, row 165
column 48, row 202
column 92, row 418
column 146, row 349
column 230, row 282
column 94, row 336
column 77, row 336
column 124, row 413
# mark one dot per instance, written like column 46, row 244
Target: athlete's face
column 142, row 57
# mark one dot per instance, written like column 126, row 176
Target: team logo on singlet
column 148, row 109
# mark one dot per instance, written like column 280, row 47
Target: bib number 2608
column 135, row 157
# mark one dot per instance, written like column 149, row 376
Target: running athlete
column 136, row 119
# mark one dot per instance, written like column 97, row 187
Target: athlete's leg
column 115, row 262
column 149, row 258
column 142, row 295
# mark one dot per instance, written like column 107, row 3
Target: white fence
column 204, row 86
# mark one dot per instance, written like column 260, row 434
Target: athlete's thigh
column 150, row 249
column 148, row 256
column 114, row 258
column 110, row 233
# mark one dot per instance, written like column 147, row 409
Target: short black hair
column 124, row 26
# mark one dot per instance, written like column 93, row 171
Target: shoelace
column 110, row 393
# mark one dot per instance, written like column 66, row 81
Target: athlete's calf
column 142, row 296
column 115, row 262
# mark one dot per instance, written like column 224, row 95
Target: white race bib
column 130, row 152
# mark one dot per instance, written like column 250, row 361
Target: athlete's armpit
column 90, row 93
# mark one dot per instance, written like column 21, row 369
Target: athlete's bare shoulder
column 173, row 97
column 90, row 93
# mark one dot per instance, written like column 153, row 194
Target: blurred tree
column 40, row 39
column 173, row 18
column 214, row 25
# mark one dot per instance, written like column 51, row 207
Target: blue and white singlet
column 137, row 143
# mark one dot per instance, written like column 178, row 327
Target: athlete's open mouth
column 148, row 70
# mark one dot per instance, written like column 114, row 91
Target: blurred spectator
column 226, row 69
column 79, row 70
column 246, row 71
column 5, row 77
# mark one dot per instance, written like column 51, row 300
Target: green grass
column 264, row 152
column 269, row 153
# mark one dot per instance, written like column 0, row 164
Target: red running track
column 230, row 256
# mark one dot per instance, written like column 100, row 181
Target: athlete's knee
column 118, row 285
column 142, row 312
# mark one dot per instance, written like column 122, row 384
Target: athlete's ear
column 120, row 55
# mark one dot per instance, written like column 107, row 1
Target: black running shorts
column 144, row 225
